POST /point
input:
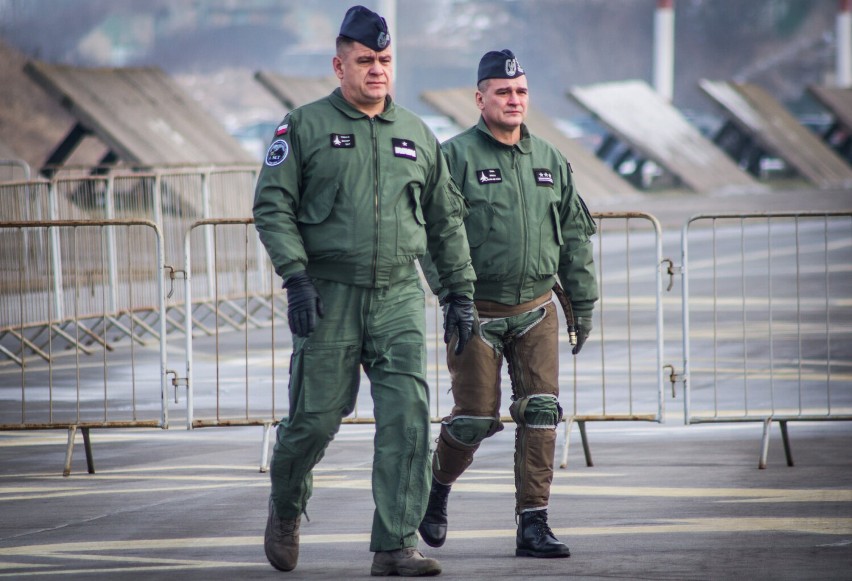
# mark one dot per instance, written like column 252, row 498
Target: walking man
column 353, row 190
column 527, row 225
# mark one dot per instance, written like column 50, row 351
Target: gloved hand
column 584, row 327
column 458, row 317
column 303, row 304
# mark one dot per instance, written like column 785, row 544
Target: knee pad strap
column 539, row 411
column 471, row 430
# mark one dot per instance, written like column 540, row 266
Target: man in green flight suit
column 353, row 190
column 526, row 225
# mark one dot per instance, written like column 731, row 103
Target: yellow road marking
column 744, row 494
column 78, row 492
column 476, row 485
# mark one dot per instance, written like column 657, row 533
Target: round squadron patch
column 277, row 152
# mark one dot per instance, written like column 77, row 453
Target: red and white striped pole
column 664, row 49
column 843, row 73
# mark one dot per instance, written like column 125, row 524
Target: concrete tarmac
column 662, row 501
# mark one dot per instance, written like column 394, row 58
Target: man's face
column 503, row 102
column 365, row 76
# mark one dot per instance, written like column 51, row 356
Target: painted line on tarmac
column 727, row 494
column 335, row 481
column 90, row 551
column 35, row 495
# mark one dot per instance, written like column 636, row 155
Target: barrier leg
column 787, row 450
column 564, row 463
column 264, row 449
column 69, row 450
column 586, row 451
column 764, row 446
column 87, row 444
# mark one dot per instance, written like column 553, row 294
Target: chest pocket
column 315, row 208
column 325, row 228
column 478, row 224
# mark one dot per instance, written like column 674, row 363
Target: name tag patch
column 404, row 148
column 543, row 177
column 277, row 152
column 489, row 176
column 342, row 141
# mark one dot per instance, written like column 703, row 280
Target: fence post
column 161, row 297
column 187, row 261
column 209, row 250
column 112, row 267
column 55, row 253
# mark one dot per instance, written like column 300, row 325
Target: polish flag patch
column 282, row 129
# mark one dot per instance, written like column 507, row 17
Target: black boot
column 535, row 539
column 433, row 528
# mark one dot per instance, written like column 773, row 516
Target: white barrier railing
column 173, row 199
column 79, row 369
column 767, row 318
column 619, row 375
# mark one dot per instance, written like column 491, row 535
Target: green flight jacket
column 526, row 222
column 356, row 199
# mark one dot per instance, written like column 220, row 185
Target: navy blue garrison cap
column 367, row 27
column 499, row 65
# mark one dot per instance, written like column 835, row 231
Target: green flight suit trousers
column 383, row 330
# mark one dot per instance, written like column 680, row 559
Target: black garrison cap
column 366, row 27
column 499, row 65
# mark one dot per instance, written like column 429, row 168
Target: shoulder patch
column 277, row 152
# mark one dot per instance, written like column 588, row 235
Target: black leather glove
column 303, row 304
column 584, row 327
column 458, row 317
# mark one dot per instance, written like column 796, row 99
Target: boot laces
column 441, row 492
column 438, row 497
column 284, row 527
column 539, row 521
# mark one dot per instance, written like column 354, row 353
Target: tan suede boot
column 407, row 562
column 281, row 540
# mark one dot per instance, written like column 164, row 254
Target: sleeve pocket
column 414, row 191
column 591, row 228
column 554, row 212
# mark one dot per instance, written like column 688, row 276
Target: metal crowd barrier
column 173, row 199
column 767, row 319
column 14, row 170
column 618, row 376
column 84, row 356
column 243, row 377
column 240, row 298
